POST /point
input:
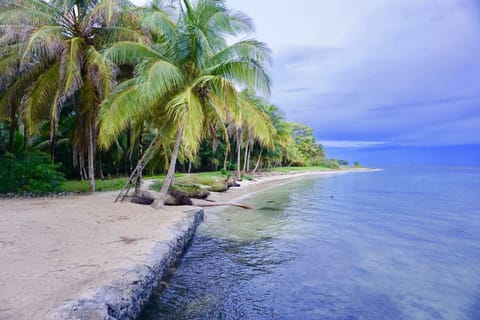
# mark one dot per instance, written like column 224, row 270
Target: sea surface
column 402, row 243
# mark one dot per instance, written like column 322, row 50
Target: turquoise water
column 403, row 243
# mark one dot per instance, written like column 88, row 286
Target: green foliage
column 302, row 169
column 309, row 152
column 329, row 163
column 29, row 173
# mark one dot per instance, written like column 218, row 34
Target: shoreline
column 84, row 257
column 271, row 180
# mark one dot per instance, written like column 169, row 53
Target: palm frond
column 37, row 101
column 9, row 68
column 44, row 42
column 185, row 111
column 222, row 92
column 118, row 111
column 158, row 77
column 245, row 72
column 104, row 13
column 27, row 16
column 158, row 20
column 116, row 34
column 101, row 72
column 249, row 48
column 257, row 122
column 128, row 52
column 71, row 66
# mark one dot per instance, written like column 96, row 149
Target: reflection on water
column 380, row 245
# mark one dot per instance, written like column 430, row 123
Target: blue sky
column 376, row 73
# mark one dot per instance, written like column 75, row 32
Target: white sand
column 53, row 250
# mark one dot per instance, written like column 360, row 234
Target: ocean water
column 403, row 243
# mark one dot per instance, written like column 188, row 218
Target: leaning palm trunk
column 239, row 151
column 11, row 138
column 138, row 183
column 91, row 171
column 258, row 161
column 245, row 161
column 225, row 159
column 160, row 199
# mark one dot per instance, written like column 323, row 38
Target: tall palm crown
column 51, row 53
column 188, row 78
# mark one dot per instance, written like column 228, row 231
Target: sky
column 375, row 74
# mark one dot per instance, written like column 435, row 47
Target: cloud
column 405, row 69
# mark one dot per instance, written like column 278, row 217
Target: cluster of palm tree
column 106, row 78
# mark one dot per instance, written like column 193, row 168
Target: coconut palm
column 51, row 54
column 188, row 78
column 252, row 123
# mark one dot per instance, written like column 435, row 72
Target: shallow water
column 393, row 244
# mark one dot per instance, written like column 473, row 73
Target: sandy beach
column 56, row 250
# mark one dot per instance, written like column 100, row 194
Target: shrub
column 328, row 163
column 29, row 173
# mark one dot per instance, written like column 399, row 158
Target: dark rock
column 142, row 200
column 177, row 198
column 200, row 194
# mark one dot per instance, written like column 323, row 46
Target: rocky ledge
column 126, row 296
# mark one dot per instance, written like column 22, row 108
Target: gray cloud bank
column 401, row 72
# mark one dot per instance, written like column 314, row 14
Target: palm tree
column 251, row 123
column 51, row 54
column 187, row 78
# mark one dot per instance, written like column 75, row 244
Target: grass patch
column 189, row 183
column 100, row 185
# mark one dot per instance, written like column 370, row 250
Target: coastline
column 85, row 257
column 273, row 179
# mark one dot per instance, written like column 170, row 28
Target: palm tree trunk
column 128, row 154
column 100, row 169
column 26, row 142
column 160, row 199
column 239, row 151
column 13, row 122
column 91, row 171
column 53, row 143
column 246, row 158
column 258, row 161
column 138, row 183
column 225, row 160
